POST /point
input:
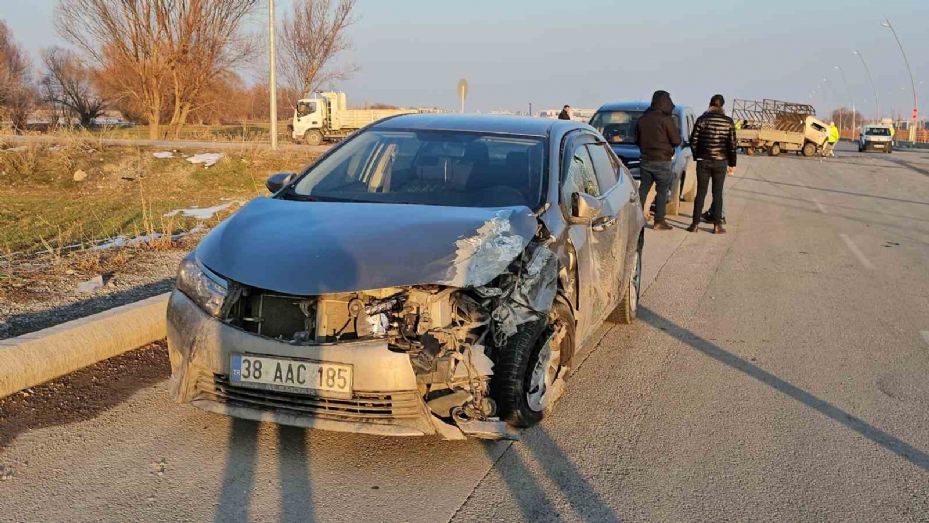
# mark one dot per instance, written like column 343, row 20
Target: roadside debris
column 163, row 154
column 207, row 159
column 202, row 213
column 79, row 175
column 6, row 472
column 17, row 149
column 92, row 285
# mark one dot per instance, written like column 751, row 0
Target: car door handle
column 603, row 223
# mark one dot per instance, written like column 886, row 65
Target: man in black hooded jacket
column 657, row 137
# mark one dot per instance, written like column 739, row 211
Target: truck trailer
column 325, row 117
column 775, row 126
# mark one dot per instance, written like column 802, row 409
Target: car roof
column 632, row 106
column 496, row 124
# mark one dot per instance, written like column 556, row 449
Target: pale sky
column 588, row 52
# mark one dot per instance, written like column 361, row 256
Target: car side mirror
column 278, row 180
column 584, row 208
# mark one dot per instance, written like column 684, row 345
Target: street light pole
column 849, row 94
column 837, row 98
column 886, row 23
column 272, row 81
column 877, row 102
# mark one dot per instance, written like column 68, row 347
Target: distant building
column 577, row 114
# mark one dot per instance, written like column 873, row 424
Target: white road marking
column 821, row 207
column 856, row 251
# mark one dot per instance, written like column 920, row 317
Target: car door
column 616, row 206
column 595, row 241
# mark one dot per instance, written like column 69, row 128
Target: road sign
column 462, row 92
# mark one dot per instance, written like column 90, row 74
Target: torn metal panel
column 482, row 256
column 313, row 248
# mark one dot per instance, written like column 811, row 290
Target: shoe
column 693, row 227
column 707, row 217
column 718, row 229
column 662, row 226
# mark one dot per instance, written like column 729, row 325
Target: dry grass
column 45, row 210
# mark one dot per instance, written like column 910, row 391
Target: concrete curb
column 37, row 357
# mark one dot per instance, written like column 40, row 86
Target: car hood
column 311, row 248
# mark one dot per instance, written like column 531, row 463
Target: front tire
column 809, row 149
column 775, row 150
column 526, row 367
column 313, row 137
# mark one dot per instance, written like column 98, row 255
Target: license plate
column 878, row 146
column 300, row 376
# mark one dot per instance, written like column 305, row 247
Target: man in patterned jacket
column 714, row 146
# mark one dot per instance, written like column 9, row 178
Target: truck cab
column 617, row 123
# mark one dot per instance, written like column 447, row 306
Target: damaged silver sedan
column 433, row 274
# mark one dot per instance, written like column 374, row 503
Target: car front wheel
column 528, row 365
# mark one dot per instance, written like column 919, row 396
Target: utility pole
column 877, row 102
column 849, row 94
column 272, row 80
column 886, row 23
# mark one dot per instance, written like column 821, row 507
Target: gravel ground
column 84, row 394
column 44, row 293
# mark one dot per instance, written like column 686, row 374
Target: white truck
column 326, row 117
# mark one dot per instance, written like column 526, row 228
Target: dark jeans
column 658, row 173
column 707, row 170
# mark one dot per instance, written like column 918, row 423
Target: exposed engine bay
column 452, row 335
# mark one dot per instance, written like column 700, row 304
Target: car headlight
column 201, row 285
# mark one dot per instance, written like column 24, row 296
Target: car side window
column 604, row 168
column 580, row 176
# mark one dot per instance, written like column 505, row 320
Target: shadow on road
column 876, row 435
column 239, row 472
column 791, row 198
column 84, row 394
column 909, row 165
column 838, row 191
column 560, row 470
column 293, row 465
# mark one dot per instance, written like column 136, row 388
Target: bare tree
column 311, row 38
column 207, row 42
column 17, row 95
column 68, row 86
column 160, row 54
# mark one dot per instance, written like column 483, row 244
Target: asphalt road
column 779, row 372
column 166, row 144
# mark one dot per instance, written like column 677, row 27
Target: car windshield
column 305, row 108
column 877, row 131
column 619, row 126
column 448, row 168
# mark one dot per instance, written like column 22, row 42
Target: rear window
column 620, row 126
